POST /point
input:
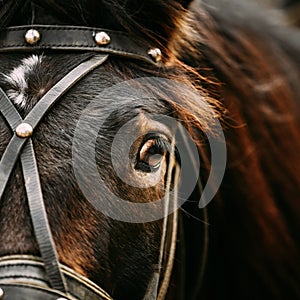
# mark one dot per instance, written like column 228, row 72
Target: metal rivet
column 32, row 36
column 24, row 130
column 1, row 293
column 102, row 38
column 155, row 53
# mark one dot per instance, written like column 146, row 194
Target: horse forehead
column 18, row 77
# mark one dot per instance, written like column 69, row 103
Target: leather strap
column 29, row 166
column 36, row 202
column 29, row 273
column 74, row 38
column 22, row 291
column 40, row 109
column 39, row 218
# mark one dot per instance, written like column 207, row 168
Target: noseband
column 45, row 278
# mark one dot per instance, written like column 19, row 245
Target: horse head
column 119, row 120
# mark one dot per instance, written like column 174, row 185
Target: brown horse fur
column 248, row 69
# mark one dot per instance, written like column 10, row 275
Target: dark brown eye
column 152, row 153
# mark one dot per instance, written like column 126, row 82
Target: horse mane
column 254, row 224
column 248, row 67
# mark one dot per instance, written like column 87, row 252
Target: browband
column 76, row 38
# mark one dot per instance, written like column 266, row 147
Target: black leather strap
column 74, row 38
column 30, row 292
column 30, row 271
column 29, row 166
column 39, row 218
column 34, row 117
column 9, row 111
column 35, row 198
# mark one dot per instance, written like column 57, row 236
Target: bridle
column 45, row 278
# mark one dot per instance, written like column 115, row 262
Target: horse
column 149, row 150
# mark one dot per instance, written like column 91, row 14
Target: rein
column 45, row 278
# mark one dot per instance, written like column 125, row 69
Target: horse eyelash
column 162, row 146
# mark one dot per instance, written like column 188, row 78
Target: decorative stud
column 24, row 130
column 102, row 38
column 155, row 53
column 32, row 36
column 1, row 293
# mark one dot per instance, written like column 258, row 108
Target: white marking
column 17, row 79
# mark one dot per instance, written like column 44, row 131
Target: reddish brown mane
column 254, row 224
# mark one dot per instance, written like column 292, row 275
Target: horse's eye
column 151, row 154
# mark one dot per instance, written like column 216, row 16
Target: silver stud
column 155, row 53
column 24, row 130
column 1, row 293
column 102, row 38
column 32, row 36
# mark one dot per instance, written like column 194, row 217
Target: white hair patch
column 18, row 79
